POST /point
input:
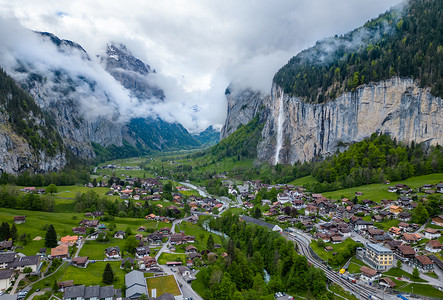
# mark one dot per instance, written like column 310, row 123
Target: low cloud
column 197, row 47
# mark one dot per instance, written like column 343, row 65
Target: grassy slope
column 92, row 275
column 192, row 229
column 378, row 191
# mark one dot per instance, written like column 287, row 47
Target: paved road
column 359, row 290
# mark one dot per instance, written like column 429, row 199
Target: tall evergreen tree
column 4, row 231
column 108, row 275
column 210, row 243
column 13, row 232
column 51, row 237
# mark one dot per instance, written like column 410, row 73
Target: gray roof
column 92, row 292
column 7, row 258
column 4, row 274
column 165, row 296
column 136, row 284
column 74, row 291
column 257, row 222
column 136, row 291
column 24, row 261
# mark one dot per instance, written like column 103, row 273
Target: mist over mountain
column 96, row 101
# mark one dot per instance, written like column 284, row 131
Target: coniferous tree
column 51, row 237
column 13, row 232
column 210, row 243
column 4, row 231
column 108, row 275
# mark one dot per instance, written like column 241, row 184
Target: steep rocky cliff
column 302, row 131
column 243, row 105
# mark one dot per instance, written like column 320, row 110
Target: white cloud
column 198, row 47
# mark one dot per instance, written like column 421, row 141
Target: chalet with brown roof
column 19, row 219
column 403, row 226
column 437, row 220
column 149, row 262
column 79, row 230
column 70, row 240
column 394, row 209
column 81, row 262
column 387, row 282
column 369, row 274
column 89, row 223
column 410, row 238
column 61, row 251
column 404, row 252
column 431, row 233
column 395, row 231
column 191, row 249
column 423, row 263
column 404, row 216
column 377, row 218
column 433, row 246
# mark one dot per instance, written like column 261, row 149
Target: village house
column 369, row 274
column 437, row 220
column 411, row 238
column 113, row 252
column 395, row 231
column 190, row 249
column 404, row 216
column 70, row 240
column 143, row 251
column 81, row 262
column 439, row 188
column 19, row 219
column 20, row 263
column 394, row 209
column 61, row 251
column 404, row 253
column 423, row 263
column 387, row 282
column 6, row 278
column 433, row 246
column 149, row 263
column 89, row 223
column 80, row 292
column 120, row 234
column 6, row 245
column 79, row 230
column 431, row 233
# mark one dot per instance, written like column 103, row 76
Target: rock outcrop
column 243, row 105
column 396, row 106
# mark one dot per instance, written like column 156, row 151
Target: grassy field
column 92, row 275
column 355, row 265
column 303, row 180
column 399, row 273
column 201, row 235
column 339, row 248
column 36, row 222
column 234, row 211
column 165, row 257
column 95, row 250
column 163, row 284
column 379, row 191
column 49, row 281
column 422, row 289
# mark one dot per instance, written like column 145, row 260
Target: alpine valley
column 76, row 108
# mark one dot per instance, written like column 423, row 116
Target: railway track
column 360, row 291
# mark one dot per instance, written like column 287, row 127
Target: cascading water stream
column 280, row 121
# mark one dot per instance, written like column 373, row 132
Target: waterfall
column 280, row 121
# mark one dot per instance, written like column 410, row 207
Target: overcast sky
column 199, row 46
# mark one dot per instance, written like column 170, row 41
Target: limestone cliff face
column 243, row 105
column 16, row 156
column 396, row 106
